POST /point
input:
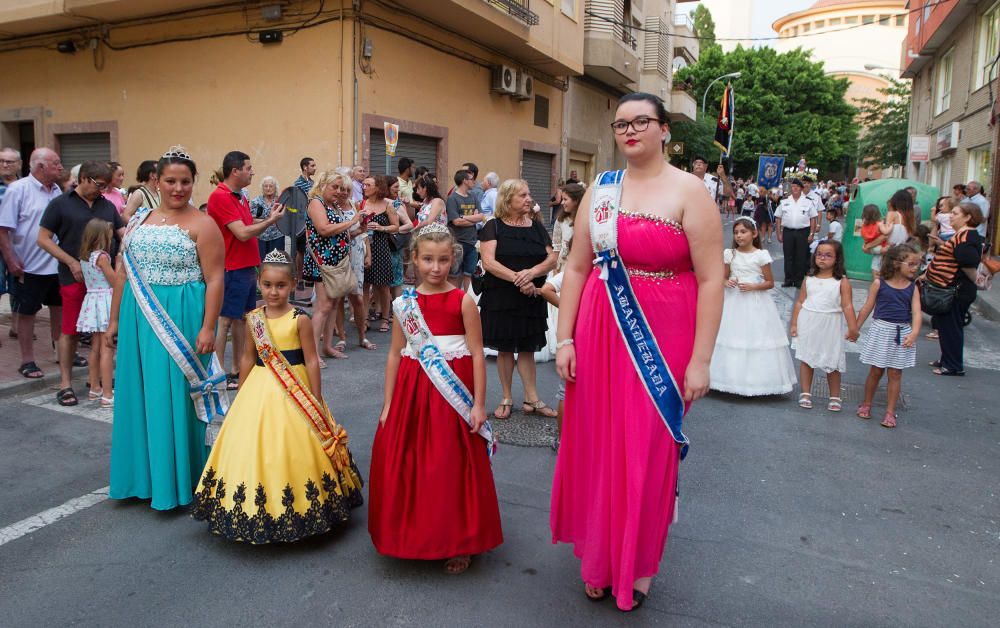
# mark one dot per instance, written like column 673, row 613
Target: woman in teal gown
column 158, row 445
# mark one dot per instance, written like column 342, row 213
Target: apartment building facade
column 628, row 46
column 465, row 80
column 950, row 53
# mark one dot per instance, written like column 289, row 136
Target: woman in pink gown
column 613, row 494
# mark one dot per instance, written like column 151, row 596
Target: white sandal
column 805, row 400
column 835, row 405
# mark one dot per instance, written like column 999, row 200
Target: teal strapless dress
column 158, row 444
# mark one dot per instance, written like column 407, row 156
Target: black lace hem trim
column 262, row 527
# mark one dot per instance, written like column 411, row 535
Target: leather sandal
column 538, row 407
column 835, row 405
column 457, row 565
column 603, row 593
column 805, row 400
column 507, row 404
column 865, row 411
column 889, row 420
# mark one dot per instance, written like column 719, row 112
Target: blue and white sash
column 642, row 346
column 208, row 385
column 444, row 378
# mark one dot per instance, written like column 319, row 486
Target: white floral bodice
column 165, row 255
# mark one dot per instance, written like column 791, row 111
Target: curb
column 986, row 309
column 16, row 388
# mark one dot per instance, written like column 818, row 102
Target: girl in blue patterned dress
column 95, row 311
column 158, row 445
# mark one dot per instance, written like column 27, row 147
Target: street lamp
column 730, row 75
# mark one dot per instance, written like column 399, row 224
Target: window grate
column 517, row 9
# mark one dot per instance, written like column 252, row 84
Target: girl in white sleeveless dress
column 822, row 320
column 751, row 356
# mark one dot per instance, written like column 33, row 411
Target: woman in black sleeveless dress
column 517, row 255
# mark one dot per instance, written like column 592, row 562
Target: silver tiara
column 177, row 151
column 434, row 227
column 747, row 219
column 277, row 256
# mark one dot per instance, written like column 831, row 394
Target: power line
column 657, row 31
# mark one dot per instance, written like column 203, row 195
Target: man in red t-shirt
column 231, row 211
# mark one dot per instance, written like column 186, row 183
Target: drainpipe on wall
column 340, row 101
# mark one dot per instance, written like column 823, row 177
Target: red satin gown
column 431, row 492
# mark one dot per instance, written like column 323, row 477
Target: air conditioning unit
column 525, row 88
column 504, row 79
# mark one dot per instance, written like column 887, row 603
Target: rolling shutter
column 76, row 148
column 536, row 169
column 420, row 148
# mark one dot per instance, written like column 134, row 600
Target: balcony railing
column 517, row 9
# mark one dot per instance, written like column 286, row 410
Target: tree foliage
column 785, row 104
column 885, row 126
column 704, row 26
column 697, row 137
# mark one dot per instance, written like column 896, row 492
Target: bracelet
column 564, row 343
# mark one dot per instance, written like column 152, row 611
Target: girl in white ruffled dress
column 751, row 356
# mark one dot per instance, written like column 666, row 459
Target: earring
column 666, row 138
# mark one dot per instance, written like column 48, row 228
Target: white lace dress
column 751, row 356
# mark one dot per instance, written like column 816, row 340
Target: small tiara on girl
column 176, row 151
column 747, row 219
column 277, row 256
column 434, row 227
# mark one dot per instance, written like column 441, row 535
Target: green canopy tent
column 877, row 193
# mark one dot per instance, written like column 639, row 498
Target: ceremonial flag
column 769, row 169
column 724, row 127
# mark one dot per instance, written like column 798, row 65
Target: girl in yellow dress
column 280, row 469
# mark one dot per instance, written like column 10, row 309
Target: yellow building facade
column 126, row 80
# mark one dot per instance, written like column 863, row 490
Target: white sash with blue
column 642, row 346
column 444, row 378
column 208, row 385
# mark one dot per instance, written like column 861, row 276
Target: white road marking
column 86, row 409
column 50, row 516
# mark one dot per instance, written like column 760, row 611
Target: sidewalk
column 988, row 303
column 13, row 383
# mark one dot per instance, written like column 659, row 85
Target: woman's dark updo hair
column 169, row 160
column 656, row 101
column 145, row 170
column 430, row 187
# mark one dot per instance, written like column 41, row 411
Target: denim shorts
column 240, row 292
column 470, row 257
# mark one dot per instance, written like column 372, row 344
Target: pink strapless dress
column 616, row 474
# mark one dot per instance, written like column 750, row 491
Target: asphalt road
column 787, row 517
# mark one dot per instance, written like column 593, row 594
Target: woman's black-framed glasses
column 640, row 124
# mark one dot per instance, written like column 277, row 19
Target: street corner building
column 464, row 80
column 950, row 54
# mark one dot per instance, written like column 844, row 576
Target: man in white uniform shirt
column 796, row 223
column 699, row 168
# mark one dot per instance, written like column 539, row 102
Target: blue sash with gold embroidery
column 649, row 363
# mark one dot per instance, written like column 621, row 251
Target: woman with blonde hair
column 517, row 254
column 260, row 208
column 328, row 265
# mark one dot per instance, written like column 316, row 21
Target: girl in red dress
column 431, row 492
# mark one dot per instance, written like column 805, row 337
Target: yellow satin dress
column 267, row 478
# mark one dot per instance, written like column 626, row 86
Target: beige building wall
column 969, row 107
column 450, row 98
column 283, row 101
